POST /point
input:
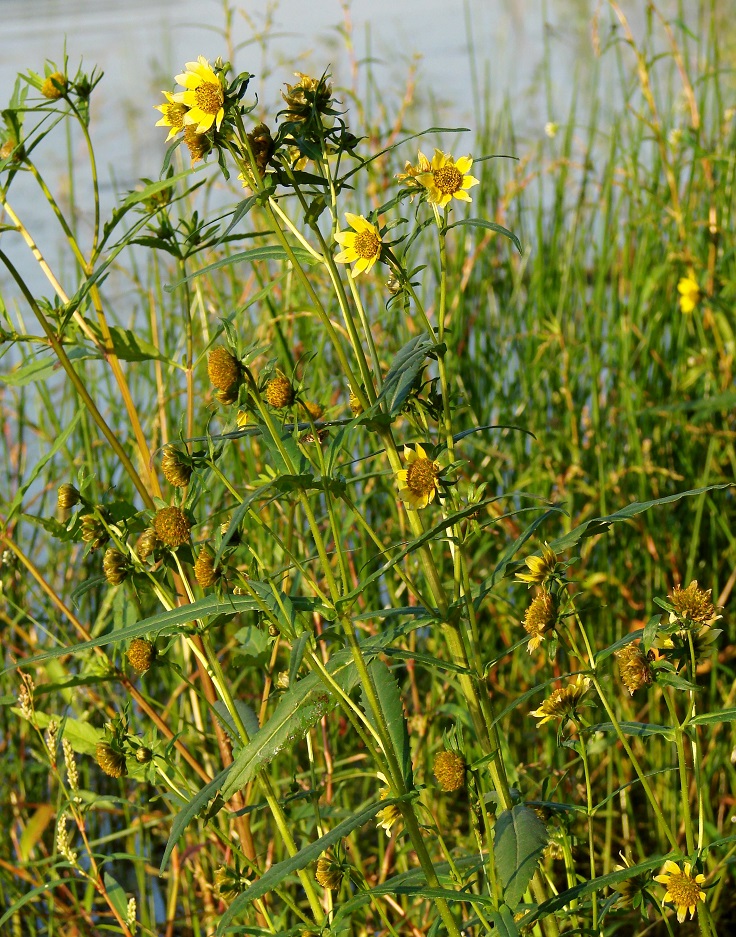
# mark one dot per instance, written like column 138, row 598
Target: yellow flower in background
column 683, row 889
column 362, row 244
column 418, row 481
column 172, row 115
column 689, row 293
column 563, row 703
column 410, row 176
column 204, row 95
column 446, row 178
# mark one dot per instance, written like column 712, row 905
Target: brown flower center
column 683, row 890
column 421, row 476
column 448, row 179
column 209, row 97
column 367, row 245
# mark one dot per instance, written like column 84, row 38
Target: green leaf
column 82, row 736
column 598, row 525
column 297, row 655
column 59, row 443
column 277, row 873
column 389, row 698
column 403, row 372
column 140, row 195
column 163, row 623
column 640, row 729
column 710, row 719
column 303, row 705
column 490, row 226
column 519, row 840
column 617, row 645
column 427, row 660
column 503, row 922
column 195, row 806
column 129, row 347
column 116, row 894
column 30, row 895
column 267, row 252
column 40, row 367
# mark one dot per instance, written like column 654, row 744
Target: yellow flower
column 362, row 244
column 447, row 179
column 541, row 568
column 692, row 604
column 683, row 889
column 409, row 177
column 172, row 115
column 539, row 618
column 418, row 481
column 689, row 293
column 204, row 95
column 563, row 702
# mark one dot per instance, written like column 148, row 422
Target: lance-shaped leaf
column 403, row 372
column 520, row 838
column 195, row 806
column 299, row 709
column 389, row 699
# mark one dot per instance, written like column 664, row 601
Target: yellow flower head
column 410, row 176
column 447, row 179
column 689, row 293
column 362, row 244
column 563, row 703
column 418, row 481
column 541, row 568
column 683, row 889
column 172, row 115
column 204, row 96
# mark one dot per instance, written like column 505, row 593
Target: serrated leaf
column 247, row 717
column 640, row 729
column 710, row 719
column 297, row 711
column 519, row 841
column 490, row 226
column 403, row 372
column 277, row 873
column 195, row 806
column 389, row 698
column 504, row 923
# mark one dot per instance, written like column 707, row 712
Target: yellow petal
column 346, row 237
column 464, row 164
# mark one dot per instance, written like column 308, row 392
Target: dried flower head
column 418, row 481
column 110, row 760
column 172, row 526
column 67, row 497
column 93, row 531
column 692, row 604
column 198, row 144
column 279, row 392
column 54, row 86
column 329, row 873
column 148, row 543
column 176, row 468
column 262, row 146
column 449, row 769
column 634, row 667
column 115, row 565
column 223, row 368
column 683, row 888
column 205, row 571
column 540, row 617
column 140, row 654
column 314, row 410
column 563, row 702
column 542, row 569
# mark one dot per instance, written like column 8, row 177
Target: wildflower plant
column 290, row 513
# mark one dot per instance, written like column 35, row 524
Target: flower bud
column 67, row 497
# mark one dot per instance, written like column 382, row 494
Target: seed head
column 223, row 369
column 329, row 873
column 693, row 603
column 540, row 616
column 197, row 143
column 634, row 668
column 279, row 392
column 111, row 761
column 93, row 531
column 147, row 543
column 172, row 526
column 115, row 566
column 449, row 769
column 54, row 86
column 307, row 96
column 315, row 410
column 177, row 471
column 205, row 571
column 140, row 654
column 261, row 143
column 67, row 497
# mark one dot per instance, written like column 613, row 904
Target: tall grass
column 207, row 733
